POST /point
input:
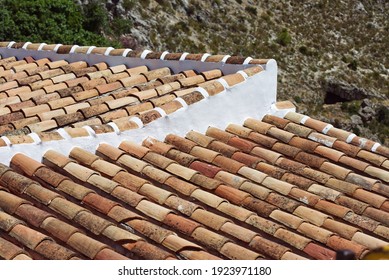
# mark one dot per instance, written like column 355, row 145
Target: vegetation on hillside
column 316, row 43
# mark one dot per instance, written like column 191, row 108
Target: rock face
column 343, row 43
column 337, row 91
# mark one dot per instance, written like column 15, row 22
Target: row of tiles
column 341, row 147
column 145, row 54
column 138, row 202
column 273, row 207
column 104, row 99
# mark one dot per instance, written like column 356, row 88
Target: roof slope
column 278, row 188
column 41, row 96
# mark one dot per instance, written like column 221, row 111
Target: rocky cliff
column 332, row 55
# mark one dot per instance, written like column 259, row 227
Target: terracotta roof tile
column 279, row 167
column 150, row 230
column 287, row 219
column 15, row 181
column 355, row 205
column 283, row 202
column 9, row 251
column 219, row 134
column 205, row 169
column 27, row 236
column 268, row 155
column 177, row 244
column 258, row 126
column 205, row 182
column 316, row 233
column 54, row 251
column 319, row 252
column 369, row 197
column 332, row 208
column 277, row 185
column 315, row 175
column 324, row 192
column 240, row 233
column 342, row 229
column 152, row 210
column 335, row 170
column 93, row 223
column 154, row 193
column 377, row 173
column 230, row 179
column 304, row 144
column 237, row 212
column 108, row 254
column 156, row 174
column 236, row 252
column 313, row 216
column 207, row 198
column 362, row 221
column 305, row 197
column 205, row 154
column 58, row 228
column 339, row 243
column 129, row 181
column 297, row 241
column 65, row 207
column 87, row 246
column 303, row 183
column 209, row 238
column 98, row 202
column 260, row 207
column 158, row 160
column 120, row 214
column 8, row 222
column 48, row 176
column 127, row 196
column 382, row 231
column 377, row 215
column 147, row 251
column 183, row 206
column 248, row 160
column 24, row 163
column 181, row 224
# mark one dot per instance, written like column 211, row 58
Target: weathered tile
column 311, row 215
column 319, row 252
column 58, row 228
column 91, row 222
column 54, row 251
column 7, row 222
column 344, row 230
column 339, row 243
column 86, row 245
column 209, row 238
column 296, row 240
column 238, row 232
column 27, row 236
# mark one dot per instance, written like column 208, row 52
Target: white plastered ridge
column 275, row 111
column 254, row 98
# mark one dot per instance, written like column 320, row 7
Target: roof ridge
column 145, row 54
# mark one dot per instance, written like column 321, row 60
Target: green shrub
column 128, row 4
column 297, row 99
column 353, row 65
column 284, row 38
column 50, row 21
column 251, row 10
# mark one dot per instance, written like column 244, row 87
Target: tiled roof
column 44, row 100
column 276, row 188
column 284, row 186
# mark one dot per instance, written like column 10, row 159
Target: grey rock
column 345, row 91
column 356, row 120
